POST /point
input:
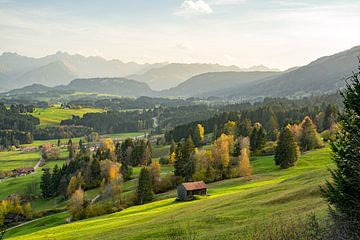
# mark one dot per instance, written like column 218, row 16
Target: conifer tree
column 45, row 184
column 55, row 179
column 245, row 128
column 257, row 138
column 343, row 193
column 172, row 147
column 95, row 172
column 144, row 190
column 286, row 153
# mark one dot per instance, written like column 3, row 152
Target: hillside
column 232, row 209
column 175, row 73
column 321, row 76
column 210, row 84
column 50, row 75
column 114, row 86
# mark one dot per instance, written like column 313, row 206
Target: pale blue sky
column 276, row 33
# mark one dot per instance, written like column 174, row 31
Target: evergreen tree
column 245, row 128
column 45, row 184
column 286, row 153
column 95, row 173
column 343, row 193
column 144, row 190
column 188, row 147
column 257, row 138
column 55, row 179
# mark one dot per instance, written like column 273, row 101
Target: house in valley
column 187, row 191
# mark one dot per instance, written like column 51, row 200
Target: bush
column 164, row 160
column 167, row 183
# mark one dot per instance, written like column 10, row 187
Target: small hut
column 22, row 171
column 187, row 191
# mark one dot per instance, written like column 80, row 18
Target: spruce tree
column 257, row 138
column 245, row 128
column 95, row 172
column 144, row 190
column 55, row 179
column 172, row 147
column 343, row 192
column 286, row 153
column 45, row 184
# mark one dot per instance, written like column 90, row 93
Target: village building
column 22, row 171
column 187, row 191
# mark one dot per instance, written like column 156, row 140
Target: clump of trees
column 14, row 206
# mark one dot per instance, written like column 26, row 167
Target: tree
column 72, row 186
column 309, row 138
column 155, row 173
column 245, row 128
column 230, row 128
column 71, row 148
column 144, row 190
column 198, row 135
column 55, row 179
column 343, row 193
column 286, row 153
column 257, row 138
column 45, row 184
column 172, row 147
column 76, row 204
column 95, row 173
column 244, row 166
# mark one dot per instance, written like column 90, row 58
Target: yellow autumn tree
column 76, row 204
column 230, row 128
column 198, row 135
column 222, row 148
column 107, row 145
column 245, row 169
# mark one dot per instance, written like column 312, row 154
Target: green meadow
column 10, row 160
column 232, row 209
column 53, row 115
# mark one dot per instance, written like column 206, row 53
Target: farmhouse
column 187, row 191
column 22, row 171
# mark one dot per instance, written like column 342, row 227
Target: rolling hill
column 210, row 84
column 324, row 75
column 114, row 86
column 175, row 73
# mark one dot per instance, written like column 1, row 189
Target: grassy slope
column 19, row 184
column 231, row 209
column 54, row 115
column 17, row 159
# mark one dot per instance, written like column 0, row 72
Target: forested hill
column 211, row 83
column 115, row 86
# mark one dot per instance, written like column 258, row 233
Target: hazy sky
column 276, row 33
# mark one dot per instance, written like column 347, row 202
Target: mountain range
column 324, row 75
column 60, row 68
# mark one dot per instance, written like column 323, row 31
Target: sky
column 276, row 33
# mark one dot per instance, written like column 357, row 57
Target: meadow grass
column 22, row 183
column 10, row 160
column 230, row 211
column 53, row 115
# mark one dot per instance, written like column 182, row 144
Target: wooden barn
column 22, row 171
column 187, row 191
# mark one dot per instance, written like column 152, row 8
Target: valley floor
column 231, row 210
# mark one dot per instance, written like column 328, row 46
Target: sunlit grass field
column 230, row 211
column 10, row 160
column 53, row 115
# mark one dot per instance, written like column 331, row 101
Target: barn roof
column 189, row 186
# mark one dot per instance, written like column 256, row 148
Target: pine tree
column 172, row 147
column 95, row 173
column 55, row 179
column 45, row 184
column 286, row 153
column 257, row 138
column 144, row 190
column 245, row 128
column 343, row 193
